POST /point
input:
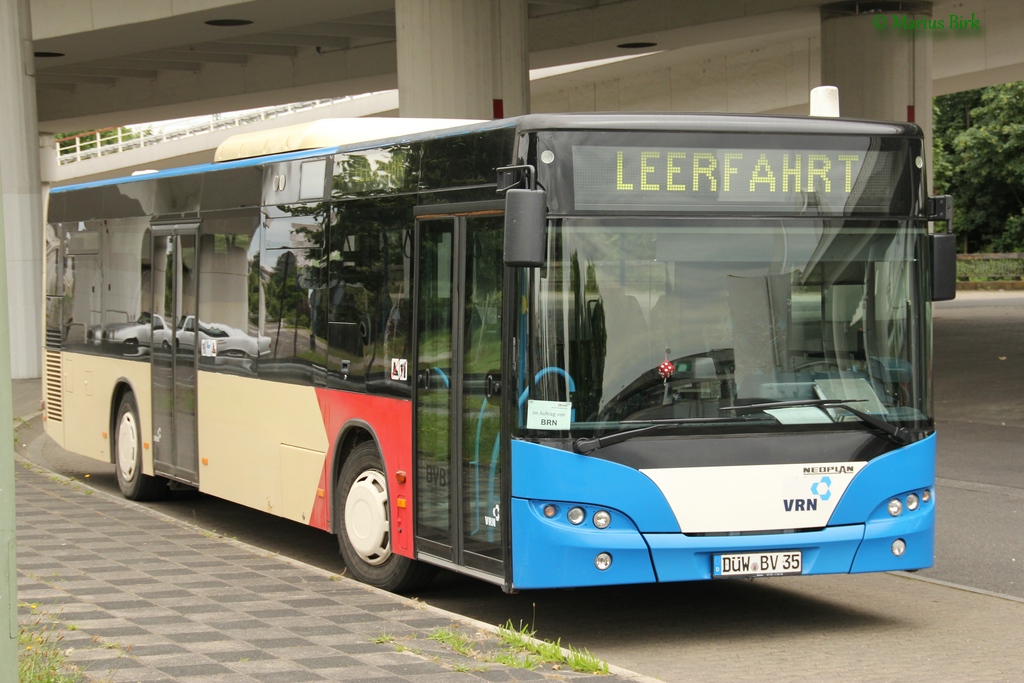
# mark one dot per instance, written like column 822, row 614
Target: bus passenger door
column 174, row 335
column 457, row 404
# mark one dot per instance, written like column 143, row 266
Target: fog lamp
column 602, row 519
column 899, row 546
column 576, row 515
column 895, row 507
column 603, row 561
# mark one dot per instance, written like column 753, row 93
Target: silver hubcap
column 367, row 520
column 127, row 447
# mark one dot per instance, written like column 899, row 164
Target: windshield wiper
column 584, row 446
column 897, row 434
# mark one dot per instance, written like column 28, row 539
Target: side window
column 228, row 337
column 293, row 276
column 82, row 286
column 370, row 293
column 54, row 265
column 125, row 291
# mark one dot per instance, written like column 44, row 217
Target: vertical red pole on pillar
column 910, row 113
column 499, row 109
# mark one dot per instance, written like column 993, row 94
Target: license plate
column 757, row 564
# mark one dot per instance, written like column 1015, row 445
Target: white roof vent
column 825, row 101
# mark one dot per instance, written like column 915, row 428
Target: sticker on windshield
column 554, row 415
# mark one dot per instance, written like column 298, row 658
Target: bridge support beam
column 881, row 60
column 20, row 181
column 462, row 58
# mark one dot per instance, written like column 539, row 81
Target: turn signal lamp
column 550, row 510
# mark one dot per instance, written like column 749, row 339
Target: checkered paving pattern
column 141, row 598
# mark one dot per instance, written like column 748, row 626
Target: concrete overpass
column 86, row 64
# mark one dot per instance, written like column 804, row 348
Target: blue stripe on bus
column 200, row 169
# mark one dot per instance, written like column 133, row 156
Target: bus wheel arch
column 126, row 449
column 362, row 521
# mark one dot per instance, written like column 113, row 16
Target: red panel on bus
column 390, row 421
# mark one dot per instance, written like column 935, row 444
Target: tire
column 127, row 447
column 363, row 523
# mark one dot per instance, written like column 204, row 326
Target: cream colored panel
column 300, row 478
column 89, row 383
column 242, row 424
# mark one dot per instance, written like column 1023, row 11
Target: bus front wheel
column 363, row 522
column 128, row 455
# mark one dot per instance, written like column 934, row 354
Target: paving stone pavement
column 139, row 597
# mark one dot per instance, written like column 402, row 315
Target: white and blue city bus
column 551, row 351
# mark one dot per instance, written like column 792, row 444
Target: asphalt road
column 979, row 378
column 979, row 409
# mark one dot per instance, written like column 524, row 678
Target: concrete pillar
column 19, row 175
column 8, row 537
column 881, row 60
column 462, row 58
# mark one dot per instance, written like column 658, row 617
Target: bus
column 549, row 351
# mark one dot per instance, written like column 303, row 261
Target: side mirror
column 943, row 247
column 525, row 227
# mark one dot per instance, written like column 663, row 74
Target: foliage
column 522, row 640
column 40, row 656
column 979, row 159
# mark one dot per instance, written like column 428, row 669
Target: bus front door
column 458, row 371
column 173, row 341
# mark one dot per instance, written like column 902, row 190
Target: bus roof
column 330, row 136
column 325, row 133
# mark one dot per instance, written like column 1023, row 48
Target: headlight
column 912, row 501
column 895, row 507
column 602, row 519
column 576, row 515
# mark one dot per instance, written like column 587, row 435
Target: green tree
column 979, row 159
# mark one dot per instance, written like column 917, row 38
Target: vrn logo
column 821, row 489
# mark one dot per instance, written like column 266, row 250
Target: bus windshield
column 646, row 320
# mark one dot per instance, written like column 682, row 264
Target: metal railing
column 106, row 141
column 994, row 267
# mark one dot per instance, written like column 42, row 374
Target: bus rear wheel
column 363, row 522
column 127, row 443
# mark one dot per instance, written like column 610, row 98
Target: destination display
column 614, row 178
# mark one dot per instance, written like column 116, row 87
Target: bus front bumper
column 553, row 553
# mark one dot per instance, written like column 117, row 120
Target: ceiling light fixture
column 228, row 22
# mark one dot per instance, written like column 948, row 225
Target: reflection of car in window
column 137, row 334
column 229, row 341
